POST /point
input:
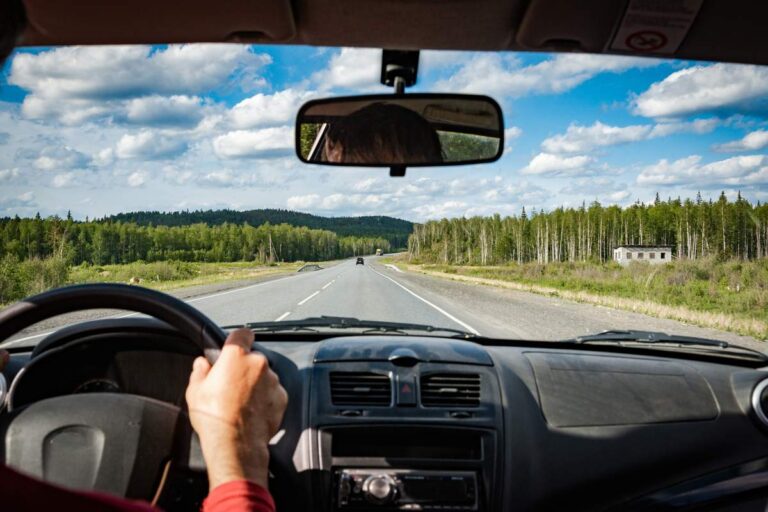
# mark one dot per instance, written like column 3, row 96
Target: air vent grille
column 360, row 388
column 450, row 390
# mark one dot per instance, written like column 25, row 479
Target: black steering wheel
column 122, row 444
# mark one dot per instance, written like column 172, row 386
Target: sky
column 102, row 130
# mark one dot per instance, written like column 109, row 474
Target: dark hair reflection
column 382, row 133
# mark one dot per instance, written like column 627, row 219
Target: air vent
column 450, row 390
column 360, row 388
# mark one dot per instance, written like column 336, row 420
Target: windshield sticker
column 655, row 26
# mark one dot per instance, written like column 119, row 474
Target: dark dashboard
column 421, row 423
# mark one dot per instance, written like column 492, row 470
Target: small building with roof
column 654, row 254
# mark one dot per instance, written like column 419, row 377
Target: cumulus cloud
column 698, row 89
column 64, row 179
column 263, row 110
column 177, row 110
column 750, row 142
column 554, row 165
column 351, row 68
column 54, row 158
column 137, row 179
column 582, row 139
column 504, row 75
column 76, row 84
column 265, row 143
column 7, row 175
column 149, row 145
column 734, row 171
column 25, row 200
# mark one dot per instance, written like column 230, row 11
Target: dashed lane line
column 308, row 298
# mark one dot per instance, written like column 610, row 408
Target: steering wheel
column 121, row 444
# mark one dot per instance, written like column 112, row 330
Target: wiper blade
column 344, row 322
column 653, row 337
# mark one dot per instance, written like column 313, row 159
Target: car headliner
column 731, row 31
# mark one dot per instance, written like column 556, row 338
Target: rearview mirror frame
column 389, row 98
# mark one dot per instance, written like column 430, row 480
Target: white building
column 626, row 254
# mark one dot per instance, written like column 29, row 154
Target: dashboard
column 420, row 423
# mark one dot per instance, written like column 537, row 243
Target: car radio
column 402, row 489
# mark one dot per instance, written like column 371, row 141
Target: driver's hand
column 236, row 407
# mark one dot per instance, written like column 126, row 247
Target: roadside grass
column 727, row 295
column 168, row 275
column 19, row 279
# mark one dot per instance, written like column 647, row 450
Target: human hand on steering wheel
column 236, row 407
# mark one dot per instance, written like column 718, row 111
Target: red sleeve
column 239, row 496
column 20, row 493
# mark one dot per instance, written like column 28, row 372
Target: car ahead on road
column 414, row 393
column 360, row 261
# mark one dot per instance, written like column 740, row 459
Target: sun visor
column 54, row 22
column 410, row 24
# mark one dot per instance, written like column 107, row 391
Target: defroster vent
column 450, row 390
column 360, row 388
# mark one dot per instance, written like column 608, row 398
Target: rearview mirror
column 406, row 130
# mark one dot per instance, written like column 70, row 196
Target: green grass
column 734, row 289
column 19, row 279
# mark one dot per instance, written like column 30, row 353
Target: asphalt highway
column 375, row 291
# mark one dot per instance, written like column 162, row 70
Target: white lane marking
column 196, row 299
column 328, row 284
column 438, row 308
column 393, row 267
column 308, row 298
column 282, row 317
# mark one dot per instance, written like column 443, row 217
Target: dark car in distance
column 360, row 261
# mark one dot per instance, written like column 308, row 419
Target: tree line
column 376, row 226
column 693, row 228
column 107, row 242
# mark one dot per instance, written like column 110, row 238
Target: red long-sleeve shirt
column 20, row 493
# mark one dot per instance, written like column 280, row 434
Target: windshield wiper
column 660, row 338
column 344, row 322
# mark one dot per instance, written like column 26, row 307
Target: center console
column 400, row 429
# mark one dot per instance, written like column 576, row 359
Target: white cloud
column 504, row 75
column 137, row 179
column 62, row 180
column 54, row 158
column 149, row 145
column 263, row 110
column 265, row 143
column 7, row 175
column 81, row 83
column 550, row 164
column 734, row 171
column 22, row 201
column 750, row 142
column 178, row 110
column 714, row 88
column 303, row 202
column 351, row 68
column 582, row 139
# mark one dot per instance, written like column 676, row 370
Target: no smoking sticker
column 655, row 26
column 646, row 41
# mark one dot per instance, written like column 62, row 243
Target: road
column 381, row 292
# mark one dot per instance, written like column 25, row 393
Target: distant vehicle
column 378, row 252
column 360, row 261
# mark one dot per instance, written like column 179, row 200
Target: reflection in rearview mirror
column 411, row 130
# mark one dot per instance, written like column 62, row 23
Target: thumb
column 200, row 369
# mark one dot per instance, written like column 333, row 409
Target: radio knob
column 379, row 489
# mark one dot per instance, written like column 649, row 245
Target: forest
column 394, row 230
column 107, row 242
column 695, row 228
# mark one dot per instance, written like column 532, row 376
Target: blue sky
column 102, row 130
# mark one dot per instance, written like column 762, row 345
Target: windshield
column 630, row 196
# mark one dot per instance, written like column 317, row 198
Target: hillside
column 394, row 230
